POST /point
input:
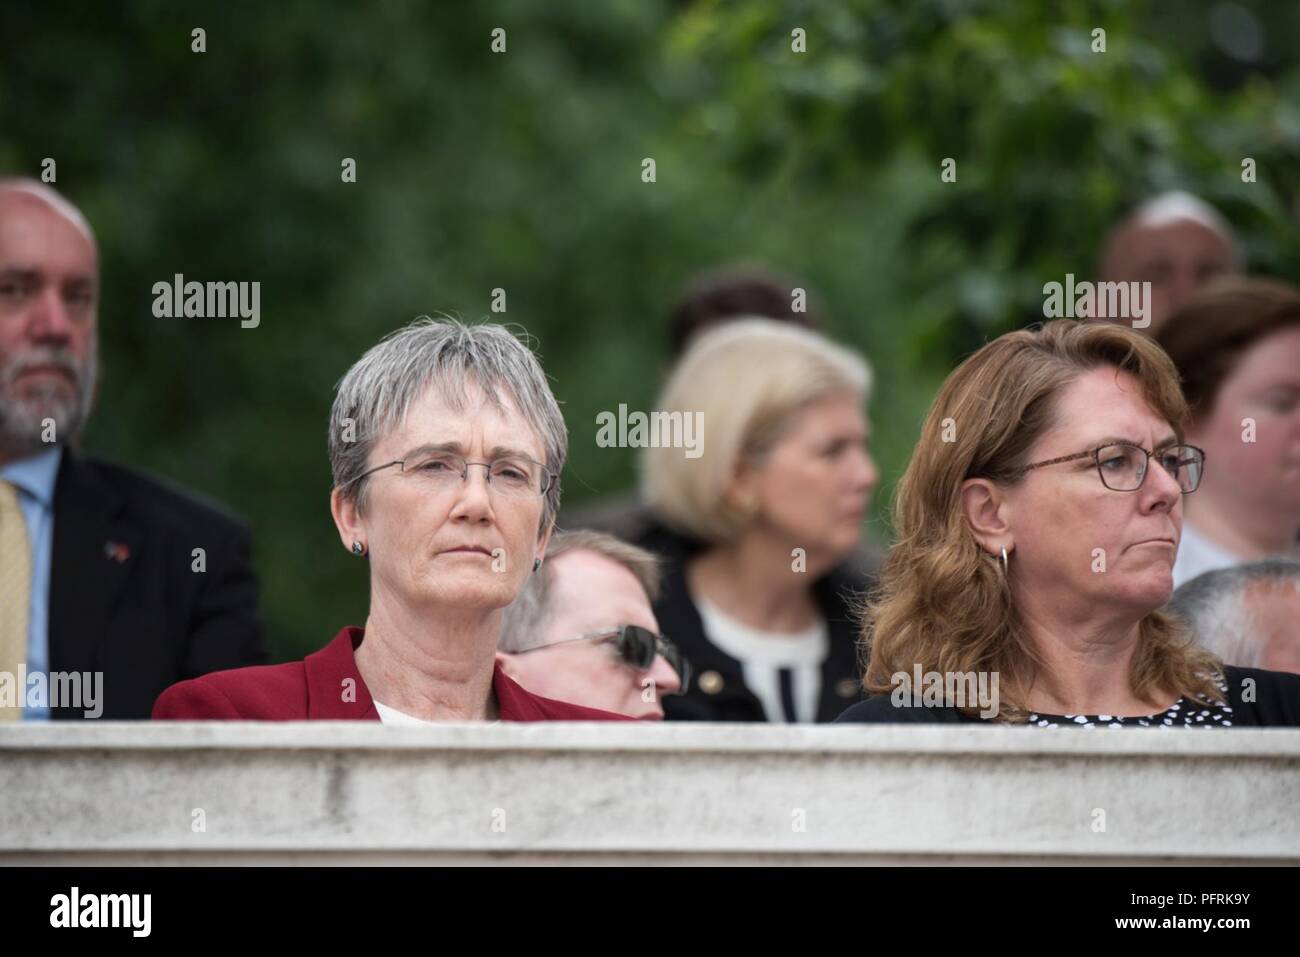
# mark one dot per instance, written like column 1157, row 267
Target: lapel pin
column 117, row 551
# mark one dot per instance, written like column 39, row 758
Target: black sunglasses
column 637, row 647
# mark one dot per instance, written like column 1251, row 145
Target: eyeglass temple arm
column 1063, row 458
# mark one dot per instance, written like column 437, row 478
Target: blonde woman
column 757, row 525
column 1037, row 528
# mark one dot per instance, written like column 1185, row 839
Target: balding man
column 1174, row 241
column 583, row 627
column 113, row 585
column 1246, row 614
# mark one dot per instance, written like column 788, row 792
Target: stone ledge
column 341, row 792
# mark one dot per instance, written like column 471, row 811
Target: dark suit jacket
column 326, row 686
column 124, row 598
column 723, row 695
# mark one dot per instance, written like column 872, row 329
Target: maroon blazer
column 314, row 689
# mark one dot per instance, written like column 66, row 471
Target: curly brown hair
column 941, row 601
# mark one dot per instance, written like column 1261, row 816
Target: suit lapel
column 837, row 597
column 514, row 703
column 680, row 620
column 95, row 548
column 335, row 691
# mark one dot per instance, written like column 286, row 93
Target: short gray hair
column 521, row 627
column 445, row 354
column 1214, row 603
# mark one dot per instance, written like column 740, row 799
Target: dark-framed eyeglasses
column 637, row 647
column 516, row 476
column 1123, row 465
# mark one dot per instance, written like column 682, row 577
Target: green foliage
column 522, row 171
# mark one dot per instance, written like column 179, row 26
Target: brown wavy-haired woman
column 1037, row 528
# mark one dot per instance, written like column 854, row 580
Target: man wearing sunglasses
column 583, row 629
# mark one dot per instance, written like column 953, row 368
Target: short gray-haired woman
column 446, row 446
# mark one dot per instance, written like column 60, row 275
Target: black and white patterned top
column 1181, row 714
column 1255, row 699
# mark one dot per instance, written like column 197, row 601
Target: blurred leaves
column 522, row 171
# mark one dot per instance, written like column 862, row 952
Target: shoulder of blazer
column 257, row 693
column 517, row 703
column 840, row 595
column 880, row 709
column 680, row 621
column 325, row 685
column 1263, row 698
column 150, row 500
column 674, row 607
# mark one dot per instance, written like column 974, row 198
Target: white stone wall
column 349, row 792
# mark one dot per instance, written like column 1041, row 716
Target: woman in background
column 756, row 525
column 1236, row 344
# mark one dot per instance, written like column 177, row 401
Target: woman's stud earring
column 537, row 563
column 358, row 548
